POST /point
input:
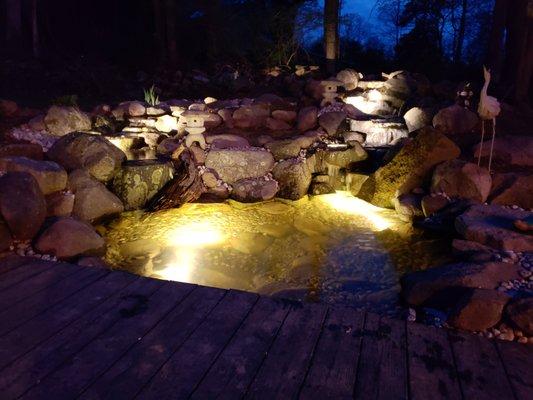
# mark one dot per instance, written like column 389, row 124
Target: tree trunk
column 524, row 67
column 159, row 31
column 172, row 48
column 331, row 34
column 458, row 51
column 495, row 53
column 13, row 23
column 34, row 30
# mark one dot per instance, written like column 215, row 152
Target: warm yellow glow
column 198, row 234
column 375, row 95
column 369, row 104
column 346, row 203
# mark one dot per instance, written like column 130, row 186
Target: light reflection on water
column 332, row 248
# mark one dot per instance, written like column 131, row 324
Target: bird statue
column 488, row 109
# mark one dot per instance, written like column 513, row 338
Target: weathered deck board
column 480, row 370
column 129, row 374
column 97, row 334
column 432, row 371
column 35, row 304
column 518, row 364
column 286, row 364
column 383, row 360
column 178, row 377
column 334, row 365
column 235, row 368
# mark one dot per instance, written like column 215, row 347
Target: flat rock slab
column 493, row 226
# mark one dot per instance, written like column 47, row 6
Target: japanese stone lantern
column 330, row 91
column 195, row 128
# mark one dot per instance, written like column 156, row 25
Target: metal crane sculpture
column 489, row 108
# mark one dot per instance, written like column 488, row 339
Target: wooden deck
column 74, row 332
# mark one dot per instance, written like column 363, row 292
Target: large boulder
column 67, row 237
column 463, row 180
column 409, row 168
column 254, row 189
column 30, row 150
column 294, row 177
column 344, row 158
column 307, row 118
column 419, row 287
column 513, row 189
column 232, row 165
column 50, row 176
column 455, row 120
column 5, row 237
column 332, row 122
column 520, row 313
column 283, row 149
column 494, row 226
column 138, row 182
column 349, row 78
column 93, row 153
column 252, row 116
column 22, row 204
column 417, row 118
column 60, row 204
column 380, row 131
column 478, row 310
column 516, row 151
column 92, row 200
column 61, row 120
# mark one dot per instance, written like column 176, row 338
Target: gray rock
column 5, row 237
column 344, row 158
column 22, row 204
column 90, row 152
column 408, row 207
column 380, row 131
column 494, row 226
column 432, row 204
column 227, row 141
column 283, row 149
column 50, row 176
column 350, row 78
column 307, row 118
column 294, row 178
column 459, row 179
column 68, row 237
column 417, row 118
column 418, row 287
column 255, row 189
column 409, row 168
column 332, row 122
column 511, row 150
column 59, row 204
column 30, row 150
column 232, row 165
column 138, row 182
column 455, row 120
column 92, row 200
column 478, row 309
column 251, row 117
column 61, row 120
column 513, row 189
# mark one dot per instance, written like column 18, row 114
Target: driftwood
column 187, row 186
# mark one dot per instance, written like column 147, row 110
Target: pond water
column 331, row 248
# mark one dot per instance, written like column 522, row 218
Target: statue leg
column 481, row 144
column 492, row 143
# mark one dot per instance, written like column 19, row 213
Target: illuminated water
column 331, row 248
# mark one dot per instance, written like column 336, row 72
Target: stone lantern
column 330, row 91
column 195, row 128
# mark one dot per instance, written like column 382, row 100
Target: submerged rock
column 90, row 152
column 68, row 237
column 137, row 182
column 494, row 226
column 235, row 164
column 50, row 176
column 254, row 189
column 22, row 204
column 409, row 168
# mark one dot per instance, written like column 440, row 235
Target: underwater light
column 346, row 203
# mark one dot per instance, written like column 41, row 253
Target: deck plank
column 432, row 372
column 233, row 371
column 333, row 367
column 34, row 305
column 10, row 262
column 18, row 377
column 72, row 377
column 286, row 364
column 178, row 377
column 382, row 369
column 35, row 331
column 517, row 359
column 129, row 374
column 480, row 370
column 17, row 275
column 51, row 276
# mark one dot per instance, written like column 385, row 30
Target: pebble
column 523, row 340
column 507, row 336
